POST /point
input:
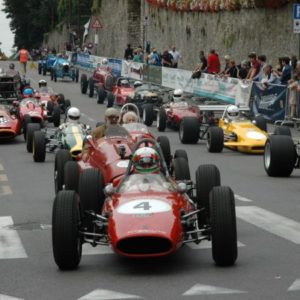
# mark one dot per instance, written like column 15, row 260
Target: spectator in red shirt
column 213, row 63
column 255, row 66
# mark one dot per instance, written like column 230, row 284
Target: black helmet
column 12, row 66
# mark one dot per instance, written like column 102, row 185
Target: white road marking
column 201, row 289
column 5, row 297
column 107, row 295
column 271, row 222
column 10, row 243
column 295, row 286
column 241, row 198
column 5, row 190
column 3, row 177
column 206, row 245
column 88, row 118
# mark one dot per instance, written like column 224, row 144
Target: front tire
column 215, row 139
column 223, row 226
column 161, row 121
column 279, row 156
column 31, row 128
column 148, row 114
column 83, row 83
column 66, row 241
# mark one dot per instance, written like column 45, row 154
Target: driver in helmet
column 146, row 160
column 28, row 92
column 12, row 72
column 125, row 83
column 233, row 113
column 42, row 83
column 73, row 117
column 177, row 96
column 137, row 83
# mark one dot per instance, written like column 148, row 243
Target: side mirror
column 109, row 190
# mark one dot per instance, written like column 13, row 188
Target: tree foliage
column 31, row 19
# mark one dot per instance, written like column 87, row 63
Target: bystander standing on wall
column 293, row 86
column 176, row 56
column 213, row 62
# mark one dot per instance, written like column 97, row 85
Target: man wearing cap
column 111, row 119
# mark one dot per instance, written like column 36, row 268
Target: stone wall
column 237, row 33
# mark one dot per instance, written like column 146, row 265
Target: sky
column 6, row 36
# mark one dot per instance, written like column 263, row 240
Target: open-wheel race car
column 10, row 122
column 68, row 136
column 46, row 63
column 101, row 82
column 149, row 99
column 282, row 153
column 62, row 68
column 147, row 214
column 9, row 87
column 240, row 132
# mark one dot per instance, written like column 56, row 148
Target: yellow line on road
column 5, row 190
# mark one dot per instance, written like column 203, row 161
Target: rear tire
column 282, row 130
column 148, row 114
column 61, row 158
column 181, row 169
column 91, row 183
column 71, row 175
column 56, row 115
column 39, row 146
column 66, row 241
column 101, row 95
column 189, row 130
column 181, row 153
column 161, row 121
column 110, row 99
column 223, row 226
column 83, row 83
column 91, row 87
column 165, row 148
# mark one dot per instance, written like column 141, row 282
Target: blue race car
column 63, row 68
column 46, row 63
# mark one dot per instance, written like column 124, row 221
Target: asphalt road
column 268, row 222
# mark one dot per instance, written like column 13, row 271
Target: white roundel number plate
column 144, row 206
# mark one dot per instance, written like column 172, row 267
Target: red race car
column 147, row 214
column 10, row 122
column 120, row 92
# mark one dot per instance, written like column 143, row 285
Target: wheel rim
column 157, row 120
column 144, row 115
column 267, row 155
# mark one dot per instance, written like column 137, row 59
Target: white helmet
column 42, row 82
column 137, row 83
column 233, row 112
column 73, row 114
column 177, row 95
column 104, row 61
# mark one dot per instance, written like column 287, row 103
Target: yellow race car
column 233, row 130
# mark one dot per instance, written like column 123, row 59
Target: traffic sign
column 296, row 14
column 97, row 24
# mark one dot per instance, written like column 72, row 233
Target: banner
column 132, row 69
column 269, row 101
column 152, row 74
